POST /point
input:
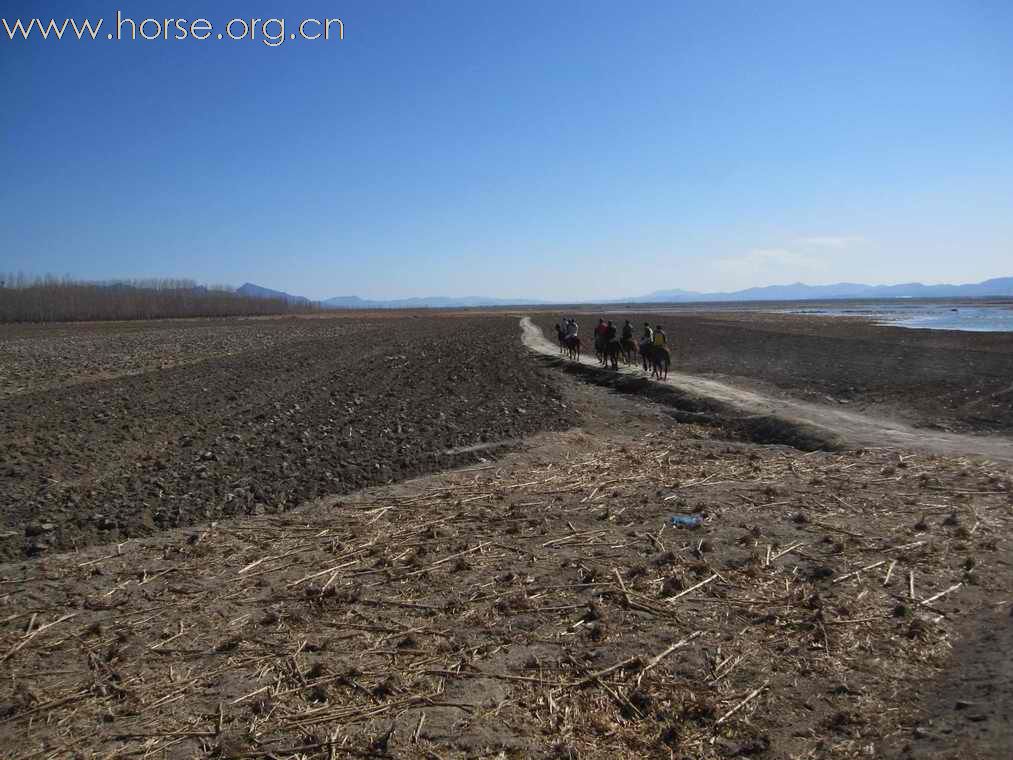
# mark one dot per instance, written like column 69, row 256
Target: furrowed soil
column 540, row 603
column 112, row 431
column 940, row 380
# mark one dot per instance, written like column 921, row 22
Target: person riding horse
column 660, row 356
column 568, row 339
column 629, row 346
column 660, row 339
column 613, row 348
column 646, row 341
column 599, row 339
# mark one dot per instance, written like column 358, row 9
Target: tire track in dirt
column 856, row 430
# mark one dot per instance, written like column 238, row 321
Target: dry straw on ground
column 540, row 606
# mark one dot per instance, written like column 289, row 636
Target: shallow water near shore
column 921, row 316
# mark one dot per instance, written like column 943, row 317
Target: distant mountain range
column 999, row 286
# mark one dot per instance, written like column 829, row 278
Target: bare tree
column 63, row 299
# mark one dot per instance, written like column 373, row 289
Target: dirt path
column 856, row 429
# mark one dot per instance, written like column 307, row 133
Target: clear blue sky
column 563, row 149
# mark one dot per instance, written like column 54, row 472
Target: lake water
column 934, row 316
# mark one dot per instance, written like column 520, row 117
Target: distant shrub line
column 53, row 299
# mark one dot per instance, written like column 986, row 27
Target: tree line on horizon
column 48, row 298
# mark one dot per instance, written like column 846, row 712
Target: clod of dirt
column 673, row 585
column 597, row 631
column 38, row 529
column 820, row 572
column 516, row 601
column 35, row 548
column 232, row 747
column 228, row 645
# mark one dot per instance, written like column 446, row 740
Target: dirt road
column 857, row 430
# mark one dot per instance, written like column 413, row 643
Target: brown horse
column 645, row 349
column 573, row 347
column 661, row 360
column 629, row 348
column 611, row 351
column 658, row 357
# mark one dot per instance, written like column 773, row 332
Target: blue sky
column 560, row 150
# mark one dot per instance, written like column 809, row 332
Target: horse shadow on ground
column 685, row 407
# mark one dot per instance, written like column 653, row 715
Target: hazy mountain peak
column 797, row 291
column 997, row 286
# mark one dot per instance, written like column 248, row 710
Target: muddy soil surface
column 944, row 380
column 38, row 357
column 537, row 606
column 967, row 710
column 113, row 446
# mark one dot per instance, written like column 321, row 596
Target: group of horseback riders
column 610, row 344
